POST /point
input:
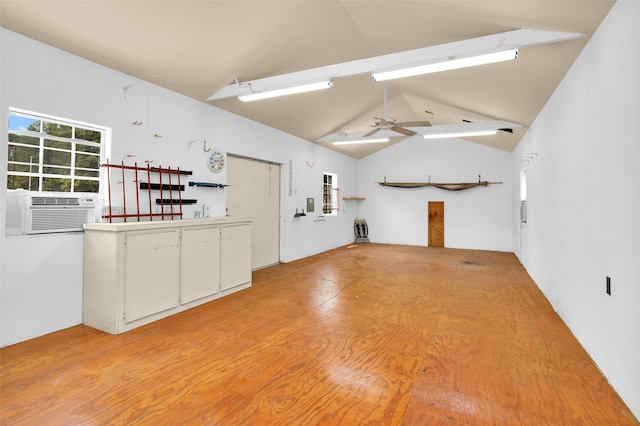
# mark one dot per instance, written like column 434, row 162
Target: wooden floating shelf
column 449, row 186
column 354, row 198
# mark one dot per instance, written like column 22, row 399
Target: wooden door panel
column 436, row 224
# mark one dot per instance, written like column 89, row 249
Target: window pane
column 56, row 158
column 88, row 135
column 22, row 182
column 17, row 122
column 330, row 194
column 56, row 184
column 88, row 148
column 24, row 154
column 57, row 144
column 25, row 140
column 523, row 185
column 88, row 161
column 56, row 170
column 88, row 173
column 86, row 186
column 57, row 129
column 21, row 167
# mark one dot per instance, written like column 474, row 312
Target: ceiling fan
column 390, row 123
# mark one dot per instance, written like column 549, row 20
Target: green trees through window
column 52, row 155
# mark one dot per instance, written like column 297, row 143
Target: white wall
column 41, row 277
column 584, row 199
column 475, row 218
column 45, row 294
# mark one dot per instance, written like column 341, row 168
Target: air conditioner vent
column 45, row 220
column 523, row 211
column 54, row 201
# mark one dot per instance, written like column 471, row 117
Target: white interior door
column 254, row 191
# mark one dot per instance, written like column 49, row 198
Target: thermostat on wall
column 215, row 160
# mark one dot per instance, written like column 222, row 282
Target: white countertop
column 159, row 224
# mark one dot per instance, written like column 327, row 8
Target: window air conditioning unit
column 523, row 211
column 43, row 214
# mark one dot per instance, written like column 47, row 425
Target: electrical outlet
column 609, row 286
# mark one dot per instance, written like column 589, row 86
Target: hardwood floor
column 369, row 334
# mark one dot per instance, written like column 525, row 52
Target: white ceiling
column 198, row 47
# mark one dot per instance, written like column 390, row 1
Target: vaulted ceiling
column 198, row 47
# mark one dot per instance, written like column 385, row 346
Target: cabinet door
column 235, row 255
column 200, row 263
column 151, row 272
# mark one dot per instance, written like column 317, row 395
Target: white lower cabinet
column 137, row 273
column 236, row 267
column 151, row 272
column 200, row 263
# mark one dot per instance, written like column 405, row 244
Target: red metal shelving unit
column 125, row 171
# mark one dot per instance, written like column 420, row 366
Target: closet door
column 254, row 192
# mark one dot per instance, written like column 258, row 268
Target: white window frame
column 330, row 194
column 523, row 196
column 523, row 185
column 103, row 145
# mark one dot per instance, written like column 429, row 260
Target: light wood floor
column 373, row 334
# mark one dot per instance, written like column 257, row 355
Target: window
column 523, row 196
column 523, row 185
column 47, row 154
column 330, row 194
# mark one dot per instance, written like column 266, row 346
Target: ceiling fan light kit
column 300, row 88
column 451, row 63
column 358, row 141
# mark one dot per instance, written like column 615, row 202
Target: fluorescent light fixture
column 286, row 91
column 361, row 141
column 461, row 134
column 449, row 64
column 520, row 39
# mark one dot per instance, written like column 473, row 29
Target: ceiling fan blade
column 404, row 131
column 415, row 124
column 374, row 131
